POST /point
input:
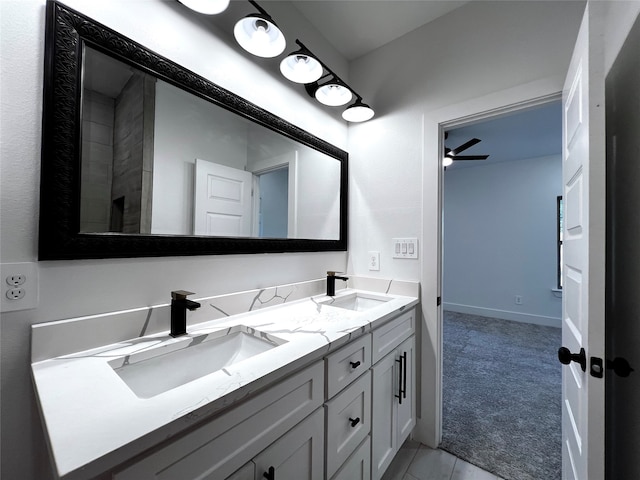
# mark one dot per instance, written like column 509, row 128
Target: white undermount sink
column 157, row 370
column 359, row 302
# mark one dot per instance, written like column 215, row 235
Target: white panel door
column 222, row 201
column 584, row 254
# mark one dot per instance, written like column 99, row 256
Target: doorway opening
column 273, row 202
column 501, row 303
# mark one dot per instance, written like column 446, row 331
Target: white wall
column 74, row 288
column 188, row 127
column 480, row 57
column 317, row 215
column 500, row 239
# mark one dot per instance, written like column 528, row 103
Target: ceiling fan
column 453, row 154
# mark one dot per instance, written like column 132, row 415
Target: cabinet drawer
column 218, row 448
column 296, row 455
column 348, row 421
column 248, row 472
column 393, row 333
column 347, row 364
column 358, row 467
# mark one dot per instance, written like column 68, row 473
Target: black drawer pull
column 271, row 474
column 354, row 364
column 354, row 421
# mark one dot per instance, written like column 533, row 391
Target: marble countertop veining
column 94, row 421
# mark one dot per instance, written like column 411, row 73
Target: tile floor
column 418, row 462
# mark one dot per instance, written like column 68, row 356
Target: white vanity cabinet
column 297, row 454
column 358, row 467
column 217, row 449
column 341, row 418
column 347, row 364
column 393, row 387
column 348, row 422
column 348, row 405
column 246, row 472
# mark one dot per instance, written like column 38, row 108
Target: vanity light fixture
column 446, row 161
column 358, row 111
column 301, row 66
column 208, row 7
column 258, row 34
column 334, row 93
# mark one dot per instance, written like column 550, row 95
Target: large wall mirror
column 142, row 157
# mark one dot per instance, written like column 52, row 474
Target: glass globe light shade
column 259, row 36
column 208, row 7
column 333, row 95
column 301, row 68
column 358, row 112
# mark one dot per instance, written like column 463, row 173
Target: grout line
column 413, row 457
column 454, row 468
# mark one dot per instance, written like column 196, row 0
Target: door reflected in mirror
column 158, row 160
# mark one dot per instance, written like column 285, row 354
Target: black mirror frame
column 59, row 237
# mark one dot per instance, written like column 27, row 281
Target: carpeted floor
column 502, row 396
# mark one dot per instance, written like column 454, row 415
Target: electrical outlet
column 15, row 293
column 518, row 300
column 374, row 261
column 15, row 280
column 20, row 286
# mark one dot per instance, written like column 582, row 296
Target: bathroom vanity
column 322, row 385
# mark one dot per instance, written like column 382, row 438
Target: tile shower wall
column 97, row 145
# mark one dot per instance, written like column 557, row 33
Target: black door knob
column 566, row 357
column 620, row 367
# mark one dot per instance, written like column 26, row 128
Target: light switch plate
column 19, row 286
column 405, row 248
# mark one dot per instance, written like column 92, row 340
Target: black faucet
column 179, row 307
column 331, row 283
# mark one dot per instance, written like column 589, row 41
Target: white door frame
column 458, row 122
column 289, row 160
column 429, row 426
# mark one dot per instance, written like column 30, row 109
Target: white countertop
column 94, row 421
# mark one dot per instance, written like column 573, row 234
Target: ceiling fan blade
column 464, row 146
column 470, row 157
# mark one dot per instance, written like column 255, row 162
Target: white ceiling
column 356, row 27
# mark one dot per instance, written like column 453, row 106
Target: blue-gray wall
column 500, row 239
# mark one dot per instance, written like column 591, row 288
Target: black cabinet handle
column 402, row 378
column 354, row 421
column 271, row 474
column 355, row 364
column 399, row 395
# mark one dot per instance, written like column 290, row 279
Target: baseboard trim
column 504, row 314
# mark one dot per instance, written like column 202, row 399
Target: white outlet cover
column 373, row 261
column 25, row 272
